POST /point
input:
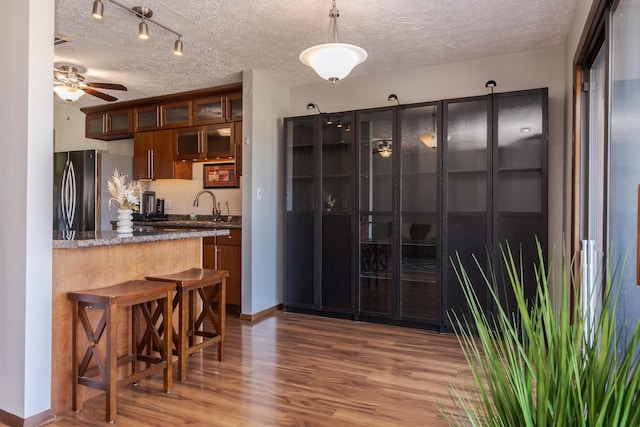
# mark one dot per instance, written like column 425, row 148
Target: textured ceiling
column 222, row 38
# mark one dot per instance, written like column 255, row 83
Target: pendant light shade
column 68, row 93
column 332, row 60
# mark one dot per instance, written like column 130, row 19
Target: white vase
column 125, row 224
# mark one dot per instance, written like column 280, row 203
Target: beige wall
column 524, row 70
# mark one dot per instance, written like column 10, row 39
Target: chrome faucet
column 215, row 211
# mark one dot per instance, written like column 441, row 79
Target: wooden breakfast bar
column 95, row 260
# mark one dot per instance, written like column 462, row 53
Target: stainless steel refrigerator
column 80, row 196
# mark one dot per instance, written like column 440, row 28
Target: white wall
column 265, row 103
column 26, row 119
column 525, row 70
column 68, row 122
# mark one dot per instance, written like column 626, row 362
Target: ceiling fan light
column 97, row 9
column 177, row 48
column 143, row 31
column 68, row 93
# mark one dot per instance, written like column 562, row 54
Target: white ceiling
column 224, row 37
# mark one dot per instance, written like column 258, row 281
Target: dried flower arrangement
column 124, row 195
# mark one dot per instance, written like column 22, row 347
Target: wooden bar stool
column 209, row 285
column 137, row 294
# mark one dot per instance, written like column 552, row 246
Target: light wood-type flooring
column 298, row 370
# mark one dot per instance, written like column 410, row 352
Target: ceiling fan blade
column 100, row 94
column 112, row 86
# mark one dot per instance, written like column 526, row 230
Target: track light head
column 177, row 47
column 143, row 31
column 393, row 97
column 98, row 8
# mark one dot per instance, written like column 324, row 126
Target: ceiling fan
column 384, row 147
column 69, row 85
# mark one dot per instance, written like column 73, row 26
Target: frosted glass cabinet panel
column 337, row 163
column 466, row 163
column 521, row 138
column 301, row 135
column 419, row 290
column 376, row 161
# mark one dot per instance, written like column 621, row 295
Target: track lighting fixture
column 144, row 13
column 97, row 9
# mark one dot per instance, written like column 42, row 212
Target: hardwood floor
column 298, row 370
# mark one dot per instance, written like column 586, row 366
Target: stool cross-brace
column 210, row 286
column 102, row 373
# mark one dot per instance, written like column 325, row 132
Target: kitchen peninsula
column 97, row 259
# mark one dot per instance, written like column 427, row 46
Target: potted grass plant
column 545, row 364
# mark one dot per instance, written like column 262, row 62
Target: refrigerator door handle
column 68, row 194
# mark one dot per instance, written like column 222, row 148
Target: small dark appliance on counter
column 151, row 209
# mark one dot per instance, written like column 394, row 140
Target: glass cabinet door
column 337, row 157
column 300, row 136
column 520, row 189
column 466, row 187
column 377, row 150
column 420, row 293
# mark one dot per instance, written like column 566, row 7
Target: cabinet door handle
column 153, row 164
column 226, row 108
column 200, row 141
column 108, row 122
column 149, row 164
column 104, row 123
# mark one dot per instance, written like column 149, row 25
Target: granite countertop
column 202, row 221
column 88, row 239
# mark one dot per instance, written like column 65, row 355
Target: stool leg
column 111, row 381
column 168, row 341
column 75, row 400
column 222, row 310
column 183, row 309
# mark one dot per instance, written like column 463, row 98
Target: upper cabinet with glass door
column 164, row 116
column 218, row 109
column 109, row 125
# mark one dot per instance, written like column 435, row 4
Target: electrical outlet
column 259, row 193
column 167, row 204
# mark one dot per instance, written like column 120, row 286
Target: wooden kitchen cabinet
column 110, row 125
column 163, row 116
column 218, row 109
column 153, row 157
column 205, row 142
column 225, row 253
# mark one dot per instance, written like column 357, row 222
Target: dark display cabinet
column 496, row 189
column 319, row 219
column 380, row 201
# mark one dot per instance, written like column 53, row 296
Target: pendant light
column 332, row 60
